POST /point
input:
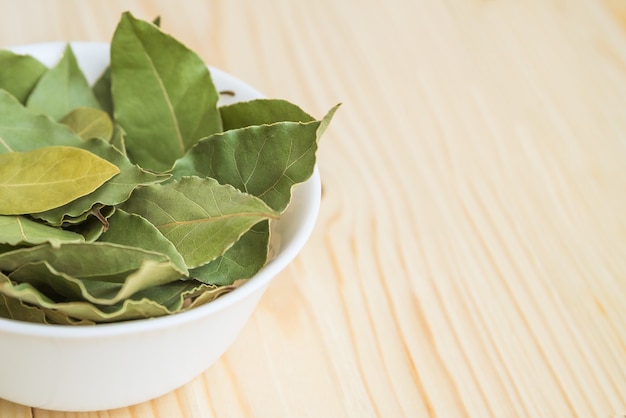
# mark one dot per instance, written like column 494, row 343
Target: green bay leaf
column 102, row 86
column 15, row 308
column 19, row 230
column 163, row 94
column 46, row 178
column 8, row 247
column 19, row 74
column 96, row 260
column 22, row 130
column 12, row 308
column 209, row 293
column 102, row 91
column 201, row 217
column 131, row 229
column 118, row 139
column 62, row 89
column 241, row 261
column 261, row 112
column 265, row 161
column 88, row 122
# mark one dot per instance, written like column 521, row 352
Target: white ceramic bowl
column 89, row 368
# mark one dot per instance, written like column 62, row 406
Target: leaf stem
column 104, row 221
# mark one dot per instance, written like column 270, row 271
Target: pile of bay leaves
column 138, row 196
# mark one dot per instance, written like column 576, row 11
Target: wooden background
column 469, row 258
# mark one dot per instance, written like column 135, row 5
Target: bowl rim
column 262, row 278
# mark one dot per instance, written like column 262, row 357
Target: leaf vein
column 198, row 221
column 166, row 96
column 19, row 223
column 256, row 162
column 4, row 144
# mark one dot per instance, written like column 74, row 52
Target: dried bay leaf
column 248, row 255
column 201, row 217
column 19, row 74
column 261, row 112
column 131, row 229
column 102, row 86
column 55, row 285
column 265, row 161
column 60, row 318
column 102, row 91
column 241, row 261
column 46, row 178
column 163, row 94
column 62, row 89
column 88, row 122
column 16, row 309
column 113, row 192
column 19, row 230
column 98, row 260
column 261, row 160
column 21, row 130
column 208, row 293
column 178, row 296
column 7, row 247
column 118, row 139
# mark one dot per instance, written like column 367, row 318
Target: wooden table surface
column 470, row 254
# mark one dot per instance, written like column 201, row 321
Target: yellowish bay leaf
column 46, row 178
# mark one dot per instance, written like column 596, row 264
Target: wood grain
column 470, row 255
